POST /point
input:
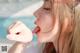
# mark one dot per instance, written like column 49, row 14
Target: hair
column 71, row 35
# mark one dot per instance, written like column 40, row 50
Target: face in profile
column 45, row 23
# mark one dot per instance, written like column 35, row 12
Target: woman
column 57, row 23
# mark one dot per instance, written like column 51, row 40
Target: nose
column 37, row 12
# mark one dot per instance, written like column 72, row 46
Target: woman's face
column 44, row 22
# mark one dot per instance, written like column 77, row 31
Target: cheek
column 47, row 24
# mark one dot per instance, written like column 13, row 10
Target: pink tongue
column 37, row 29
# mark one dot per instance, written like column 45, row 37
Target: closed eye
column 46, row 8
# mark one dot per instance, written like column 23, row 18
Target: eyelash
column 46, row 8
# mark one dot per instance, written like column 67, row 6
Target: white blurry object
column 28, row 11
column 19, row 32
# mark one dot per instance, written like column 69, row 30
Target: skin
column 46, row 23
column 48, row 27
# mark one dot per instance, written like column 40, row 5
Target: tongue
column 37, row 29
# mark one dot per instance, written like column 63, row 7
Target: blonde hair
column 63, row 11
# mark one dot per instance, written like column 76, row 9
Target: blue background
column 5, row 22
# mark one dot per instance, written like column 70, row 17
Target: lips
column 36, row 30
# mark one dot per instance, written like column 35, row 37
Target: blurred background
column 11, row 10
column 9, row 7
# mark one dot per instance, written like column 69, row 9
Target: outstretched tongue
column 37, row 29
